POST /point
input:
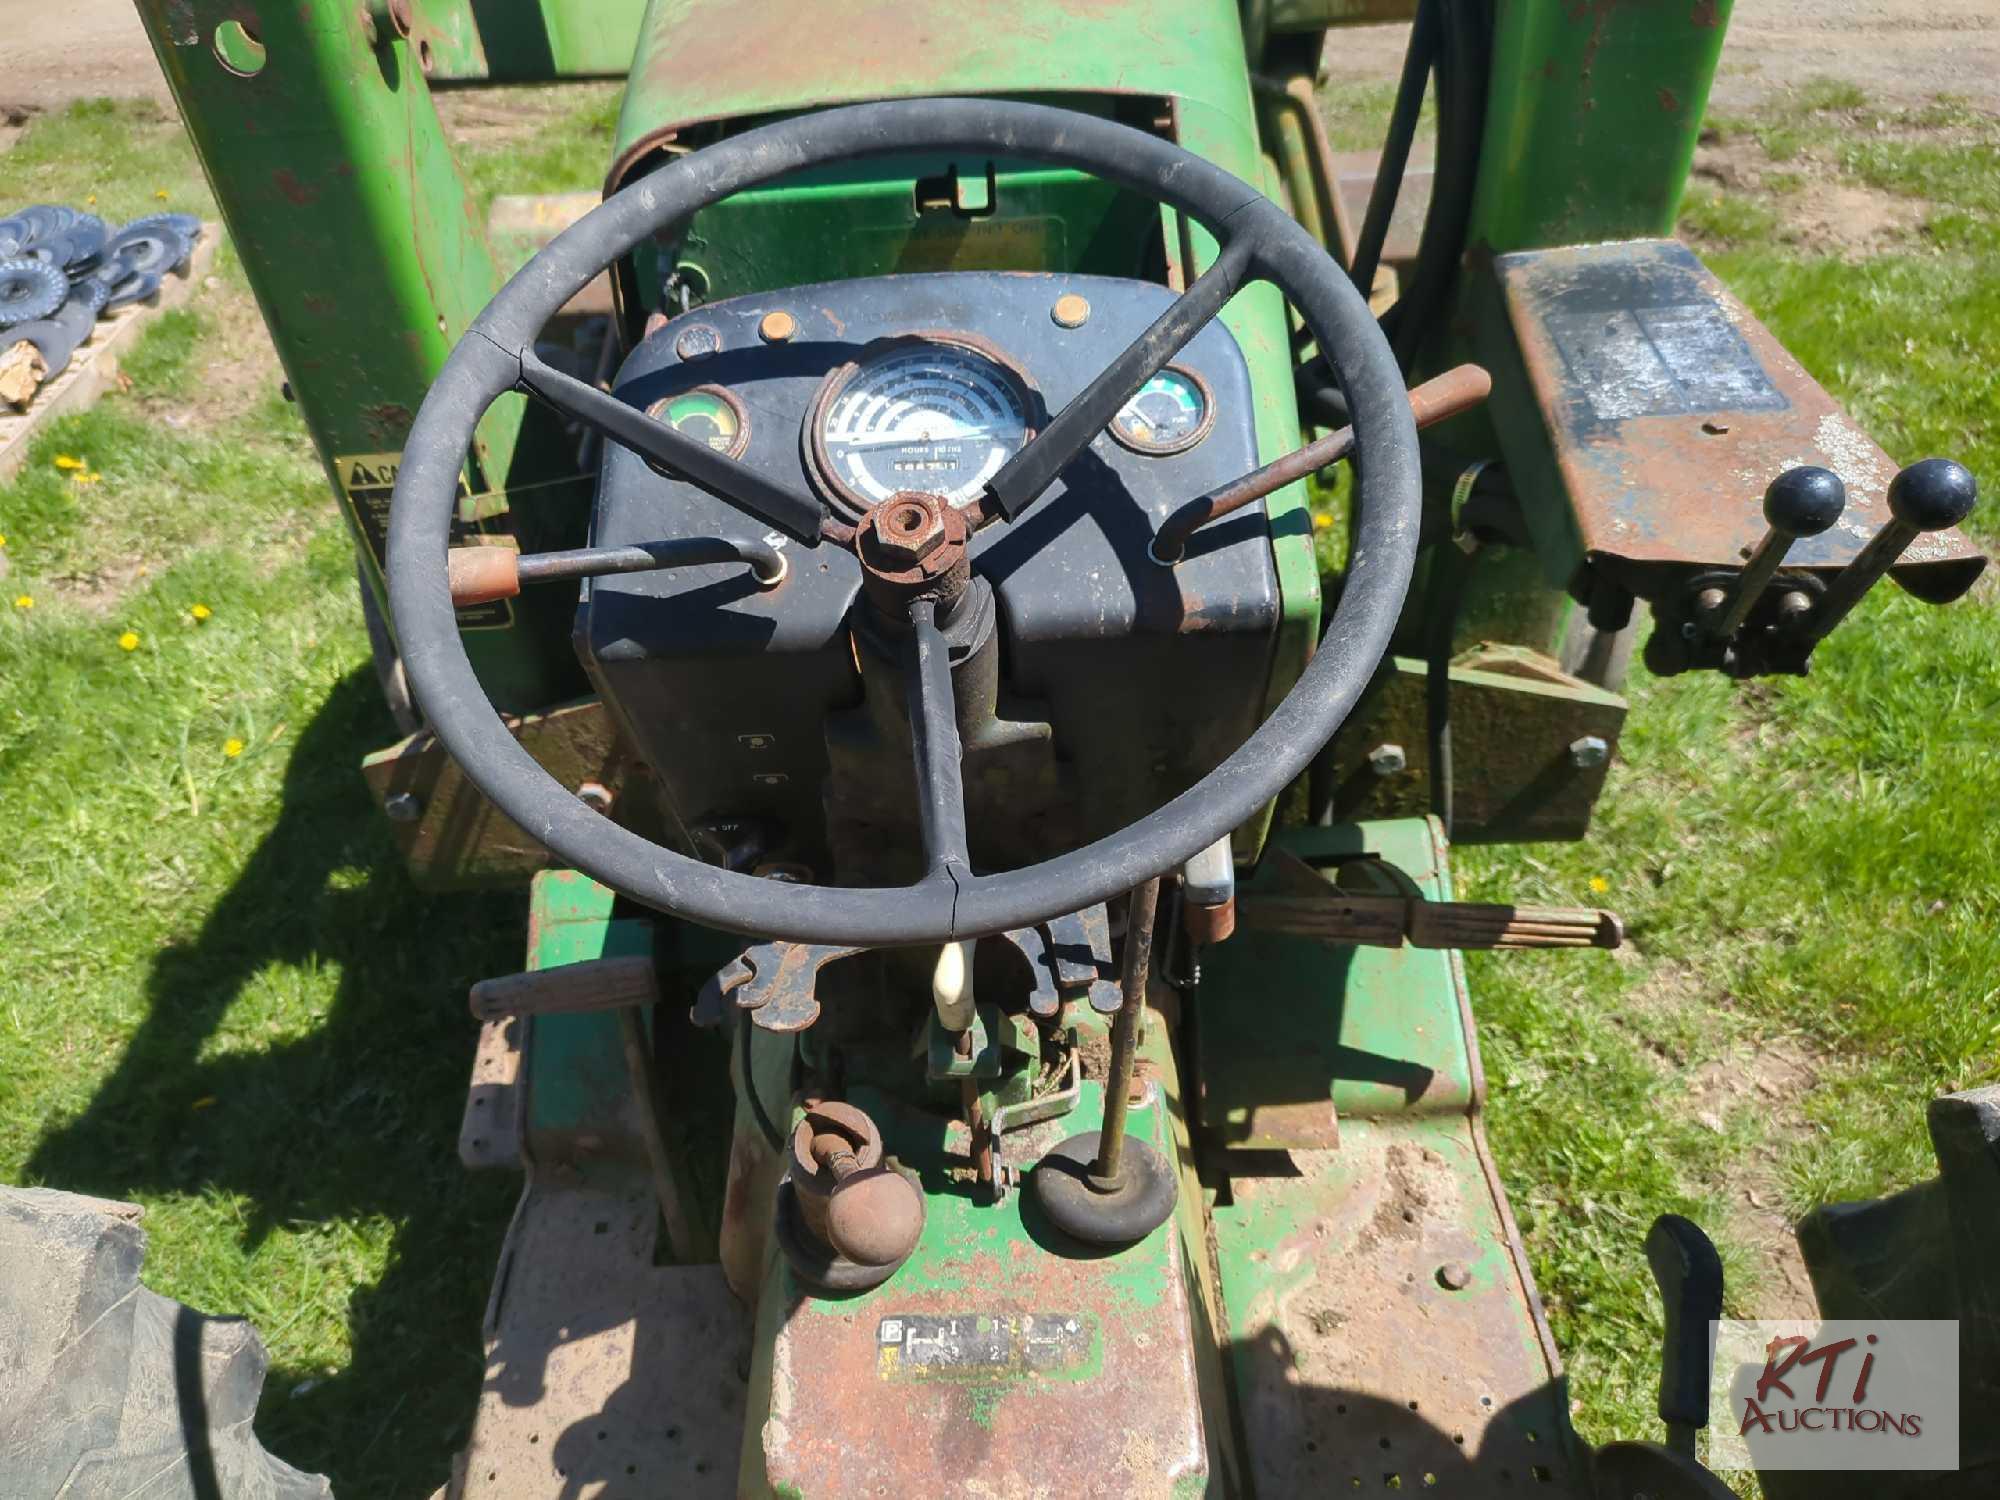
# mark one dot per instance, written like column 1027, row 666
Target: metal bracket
column 1052, row 1106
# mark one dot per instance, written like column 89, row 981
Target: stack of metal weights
column 61, row 269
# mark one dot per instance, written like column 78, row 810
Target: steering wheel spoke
column 1020, row 481
column 934, row 744
column 787, row 507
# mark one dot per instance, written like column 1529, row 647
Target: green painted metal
column 368, row 261
column 526, row 41
column 978, row 1258
column 1373, row 1031
column 1591, row 118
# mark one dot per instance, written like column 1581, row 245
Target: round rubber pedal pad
column 1122, row 1213
column 30, row 289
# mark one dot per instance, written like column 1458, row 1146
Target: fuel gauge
column 1170, row 414
column 708, row 414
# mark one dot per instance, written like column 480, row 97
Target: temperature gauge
column 1170, row 414
column 708, row 414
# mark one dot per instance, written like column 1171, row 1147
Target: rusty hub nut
column 874, row 1217
column 904, row 530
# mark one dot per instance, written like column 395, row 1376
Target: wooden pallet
column 93, row 369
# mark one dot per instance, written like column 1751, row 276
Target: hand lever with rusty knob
column 1930, row 495
column 1801, row 502
column 846, row 1218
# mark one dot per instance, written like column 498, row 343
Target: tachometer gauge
column 708, row 414
column 1170, row 414
column 929, row 414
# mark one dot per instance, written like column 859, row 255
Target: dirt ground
column 1899, row 51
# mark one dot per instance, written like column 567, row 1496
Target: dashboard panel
column 1148, row 675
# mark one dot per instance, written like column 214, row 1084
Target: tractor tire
column 108, row 1389
column 388, row 663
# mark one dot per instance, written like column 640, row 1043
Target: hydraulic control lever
column 1931, row 495
column 1801, row 502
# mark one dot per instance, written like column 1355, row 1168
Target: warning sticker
column 369, row 481
column 981, row 1346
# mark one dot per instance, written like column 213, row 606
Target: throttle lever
column 1930, row 495
column 1801, row 502
column 1689, row 1275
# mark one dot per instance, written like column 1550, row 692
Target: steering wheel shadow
column 234, row 1107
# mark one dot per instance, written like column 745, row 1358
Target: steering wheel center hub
column 913, row 546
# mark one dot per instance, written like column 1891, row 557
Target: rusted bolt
column 1710, row 600
column 1794, row 605
column 697, row 341
column 1454, row 1276
column 403, row 807
column 777, row 326
column 1070, row 311
column 904, row 530
column 402, row 17
column 1588, row 752
column 1387, row 760
column 596, row 796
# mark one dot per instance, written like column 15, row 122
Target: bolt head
column 1070, row 311
column 1388, row 760
column 904, row 530
column 596, row 796
column 403, row 807
column 1454, row 1276
column 1588, row 752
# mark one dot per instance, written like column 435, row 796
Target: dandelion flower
column 3, row 541
column 161, row 194
column 69, row 461
column 129, row 641
column 201, row 611
column 1599, row 885
column 232, row 747
column 86, row 476
column 24, row 601
column 1322, row 522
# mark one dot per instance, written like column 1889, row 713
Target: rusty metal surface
column 1670, row 409
column 998, row 1361
column 1515, row 778
column 1380, row 1324
column 606, row 1375
column 449, row 835
column 781, row 988
column 489, row 1132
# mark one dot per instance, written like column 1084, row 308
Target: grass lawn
column 222, row 999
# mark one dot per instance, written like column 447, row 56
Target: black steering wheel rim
column 486, row 364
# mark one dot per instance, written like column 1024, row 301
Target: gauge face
column 922, row 415
column 1170, row 414
column 708, row 414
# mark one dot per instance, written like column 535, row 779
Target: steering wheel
column 950, row 903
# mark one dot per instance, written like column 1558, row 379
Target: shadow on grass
column 339, row 1130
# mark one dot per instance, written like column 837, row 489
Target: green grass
column 224, row 1000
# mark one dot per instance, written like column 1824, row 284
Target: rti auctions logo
column 1788, row 1358
column 1843, row 1394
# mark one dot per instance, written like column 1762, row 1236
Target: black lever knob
column 1801, row 502
column 1689, row 1275
column 1927, row 496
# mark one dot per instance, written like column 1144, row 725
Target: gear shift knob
column 1800, row 502
column 1927, row 496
